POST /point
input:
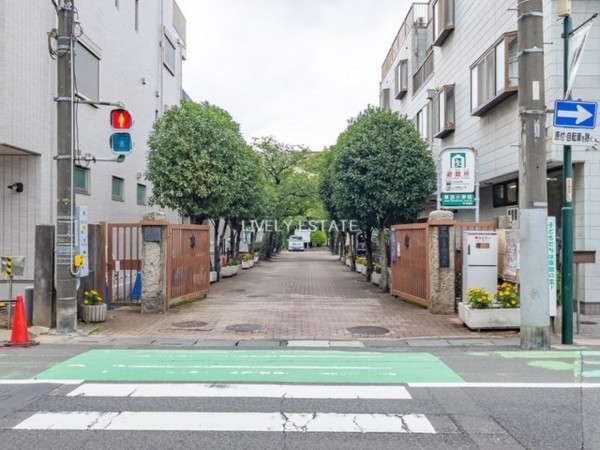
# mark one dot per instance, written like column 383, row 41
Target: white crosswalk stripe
column 275, row 421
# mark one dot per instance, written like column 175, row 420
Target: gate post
column 441, row 262
column 154, row 262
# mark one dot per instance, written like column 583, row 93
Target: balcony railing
column 418, row 16
column 423, row 73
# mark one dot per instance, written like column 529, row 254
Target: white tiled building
column 130, row 51
column 452, row 68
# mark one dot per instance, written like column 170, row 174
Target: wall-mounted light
column 16, row 186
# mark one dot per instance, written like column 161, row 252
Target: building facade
column 127, row 51
column 453, row 69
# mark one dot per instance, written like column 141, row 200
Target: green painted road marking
column 282, row 366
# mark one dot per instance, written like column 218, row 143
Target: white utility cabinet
column 480, row 261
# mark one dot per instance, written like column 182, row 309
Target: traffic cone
column 19, row 335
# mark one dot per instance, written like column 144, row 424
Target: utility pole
column 567, row 210
column 533, row 199
column 66, row 282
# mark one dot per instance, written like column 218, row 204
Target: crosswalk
column 331, row 420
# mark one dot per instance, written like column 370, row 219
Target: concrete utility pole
column 66, row 282
column 533, row 199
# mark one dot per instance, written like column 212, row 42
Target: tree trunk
column 332, row 242
column 232, row 242
column 369, row 247
column 238, row 239
column 353, row 252
column 384, row 282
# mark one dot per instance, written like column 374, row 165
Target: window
column 141, row 194
column 443, row 21
column 495, row 75
column 137, row 15
column 422, row 123
column 401, row 78
column 117, row 189
column 384, row 100
column 443, row 111
column 506, row 193
column 169, row 59
column 87, row 73
column 82, row 180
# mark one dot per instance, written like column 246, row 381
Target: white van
column 296, row 243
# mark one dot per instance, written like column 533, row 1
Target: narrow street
column 299, row 295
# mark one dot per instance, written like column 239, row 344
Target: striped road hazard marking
column 291, row 391
column 230, row 421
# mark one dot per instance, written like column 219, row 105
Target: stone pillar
column 154, row 262
column 441, row 262
column 44, row 296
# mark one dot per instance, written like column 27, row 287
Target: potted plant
column 93, row 308
column 481, row 312
column 360, row 264
column 247, row 261
column 376, row 275
column 348, row 259
column 230, row 268
column 256, row 257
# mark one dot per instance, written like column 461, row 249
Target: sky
column 293, row 69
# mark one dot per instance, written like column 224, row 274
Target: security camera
column 120, row 158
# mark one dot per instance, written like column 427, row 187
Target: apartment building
column 127, row 51
column 453, row 69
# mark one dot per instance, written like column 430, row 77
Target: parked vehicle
column 296, row 243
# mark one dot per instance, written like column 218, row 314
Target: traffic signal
column 120, row 140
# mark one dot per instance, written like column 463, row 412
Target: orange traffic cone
column 19, row 335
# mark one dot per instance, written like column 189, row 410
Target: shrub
column 479, row 298
column 508, row 295
column 377, row 268
column 248, row 257
column 231, row 262
column 318, row 238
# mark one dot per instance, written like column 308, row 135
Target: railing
column 424, row 72
column 418, row 16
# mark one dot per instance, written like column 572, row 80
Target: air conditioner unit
column 430, row 94
column 513, row 217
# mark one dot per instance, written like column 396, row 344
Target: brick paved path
column 307, row 295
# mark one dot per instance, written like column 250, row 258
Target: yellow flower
column 513, row 302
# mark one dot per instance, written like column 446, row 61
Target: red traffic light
column 120, row 119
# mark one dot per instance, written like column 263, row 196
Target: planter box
column 213, row 276
column 229, row 271
column 490, row 318
column 246, row 264
column 359, row 268
column 363, row 270
column 256, row 259
column 93, row 313
column 348, row 262
column 375, row 277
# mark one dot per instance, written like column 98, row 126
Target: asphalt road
column 489, row 398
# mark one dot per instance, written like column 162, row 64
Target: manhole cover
column 257, row 295
column 236, row 290
column 588, row 322
column 245, row 327
column 190, row 324
column 368, row 330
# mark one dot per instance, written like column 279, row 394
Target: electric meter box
column 480, row 262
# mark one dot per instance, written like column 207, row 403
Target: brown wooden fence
column 410, row 270
column 188, row 262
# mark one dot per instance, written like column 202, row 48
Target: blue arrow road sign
column 570, row 114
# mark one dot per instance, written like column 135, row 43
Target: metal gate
column 123, row 263
column 410, row 270
column 188, row 261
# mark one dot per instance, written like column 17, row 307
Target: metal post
column 533, row 201
column 567, row 212
column 66, row 287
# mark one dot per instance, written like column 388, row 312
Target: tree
column 196, row 163
column 384, row 174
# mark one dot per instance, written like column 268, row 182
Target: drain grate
column 190, row 324
column 235, row 291
column 368, row 330
column 258, row 295
column 588, row 322
column 245, row 327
